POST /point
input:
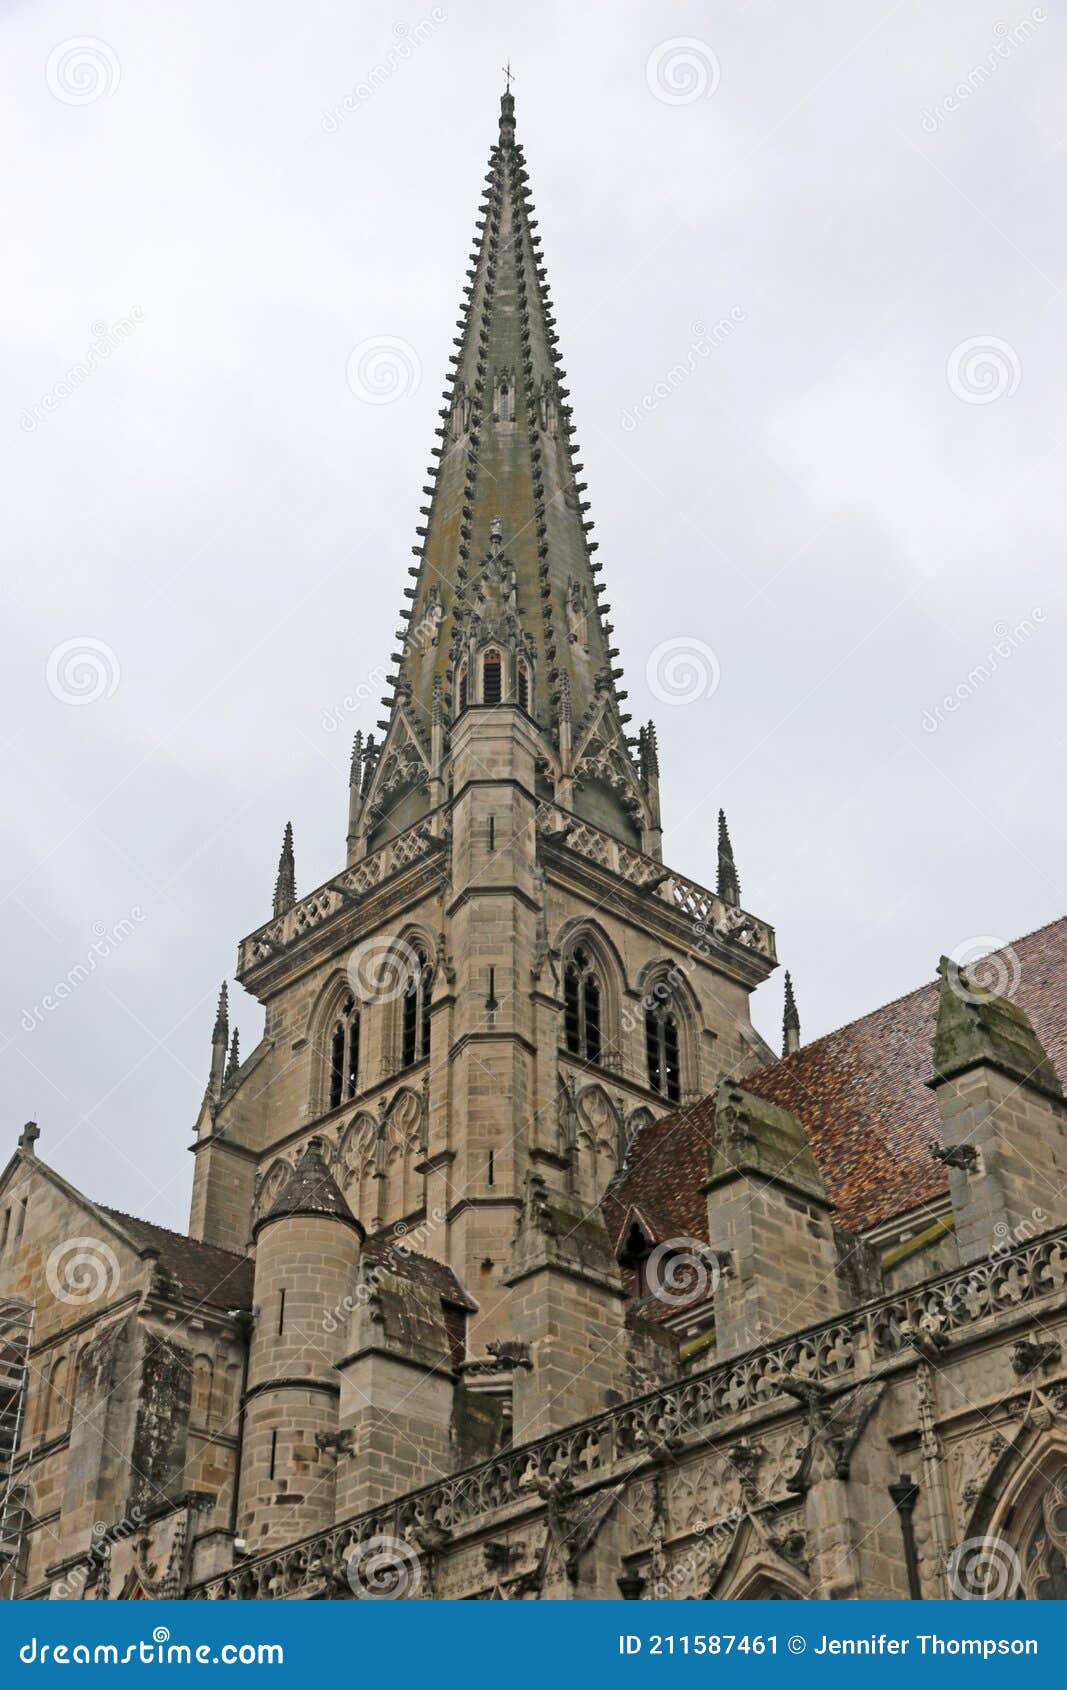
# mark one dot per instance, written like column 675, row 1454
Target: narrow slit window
column 524, row 686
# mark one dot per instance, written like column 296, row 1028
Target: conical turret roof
column 310, row 1190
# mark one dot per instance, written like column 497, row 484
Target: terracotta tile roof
column 861, row 1094
column 207, row 1274
column 387, row 1249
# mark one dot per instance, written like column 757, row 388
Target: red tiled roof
column 862, row 1096
column 388, row 1249
column 207, row 1274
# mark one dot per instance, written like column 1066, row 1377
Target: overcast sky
column 850, row 493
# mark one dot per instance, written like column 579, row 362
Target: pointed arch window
column 662, row 1047
column 505, row 401
column 344, row 1055
column 492, row 678
column 522, row 678
column 415, row 1011
column 581, row 1007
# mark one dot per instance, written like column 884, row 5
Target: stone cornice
column 876, row 1339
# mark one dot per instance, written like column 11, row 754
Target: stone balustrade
column 705, row 909
column 836, row 1354
column 412, row 846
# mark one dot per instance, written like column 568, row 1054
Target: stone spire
column 727, row 885
column 504, row 545
column 285, row 885
column 790, row 1019
column 220, row 1038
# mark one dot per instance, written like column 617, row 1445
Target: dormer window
column 492, row 678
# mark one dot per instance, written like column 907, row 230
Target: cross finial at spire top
column 509, row 76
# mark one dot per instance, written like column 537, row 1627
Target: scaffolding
column 16, row 1330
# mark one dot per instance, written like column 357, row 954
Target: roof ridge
column 184, row 1237
column 891, row 1003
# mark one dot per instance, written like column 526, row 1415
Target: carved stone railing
column 705, row 909
column 851, row 1347
column 363, row 877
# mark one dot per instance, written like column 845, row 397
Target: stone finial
column 370, row 758
column 28, row 1137
column 355, row 769
column 728, row 885
column 648, row 748
column 233, row 1061
column 285, row 884
column 790, row 1019
column 220, row 1038
column 221, row 1031
column 977, row 1029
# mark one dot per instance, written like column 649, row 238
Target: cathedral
column 519, row 1266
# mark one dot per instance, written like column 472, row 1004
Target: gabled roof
column 863, row 1096
column 207, row 1274
column 389, row 1253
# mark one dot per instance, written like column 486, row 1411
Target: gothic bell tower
column 504, row 980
